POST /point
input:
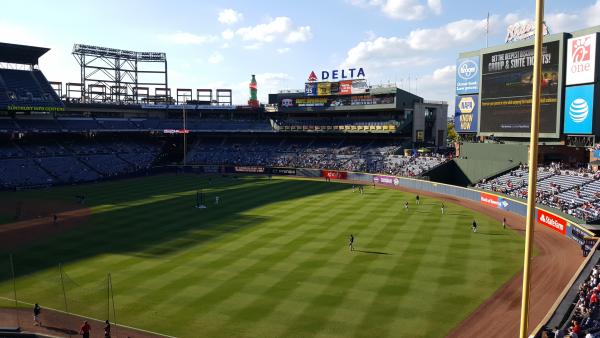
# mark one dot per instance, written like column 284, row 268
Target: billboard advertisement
column 467, row 75
column 345, row 88
column 359, row 86
column 506, row 89
column 579, row 109
column 553, row 222
column 581, row 59
column 466, row 112
column 310, row 89
column 338, row 101
column 324, row 88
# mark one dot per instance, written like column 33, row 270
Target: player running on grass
column 406, row 206
column 418, row 200
column 474, row 226
column 443, row 207
column 350, row 242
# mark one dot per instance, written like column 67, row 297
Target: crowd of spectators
column 368, row 157
column 29, row 163
column 585, row 319
column 574, row 191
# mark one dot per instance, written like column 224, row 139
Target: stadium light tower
column 533, row 154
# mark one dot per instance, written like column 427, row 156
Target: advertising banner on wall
column 493, row 201
column 555, row 223
column 466, row 113
column 579, row 109
column 386, row 180
column 506, row 89
column 581, row 59
column 467, row 75
column 334, row 174
column 283, row 171
column 324, row 88
column 249, row 169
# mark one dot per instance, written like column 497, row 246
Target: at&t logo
column 467, row 69
column 579, row 110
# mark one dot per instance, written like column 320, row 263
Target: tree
column 452, row 135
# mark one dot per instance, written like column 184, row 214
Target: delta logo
column 552, row 222
column 312, row 77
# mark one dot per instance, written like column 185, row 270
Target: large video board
column 506, row 90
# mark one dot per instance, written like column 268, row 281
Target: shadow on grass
column 159, row 228
column 485, row 233
column 373, row 252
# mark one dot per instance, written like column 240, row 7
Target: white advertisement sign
column 581, row 59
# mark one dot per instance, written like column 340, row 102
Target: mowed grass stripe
column 289, row 241
column 271, row 256
column 234, row 254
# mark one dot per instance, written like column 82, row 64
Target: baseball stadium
column 341, row 209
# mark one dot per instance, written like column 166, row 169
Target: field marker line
column 92, row 318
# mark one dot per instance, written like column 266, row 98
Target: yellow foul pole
column 533, row 154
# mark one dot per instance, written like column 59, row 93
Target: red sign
column 336, row 175
column 345, row 87
column 488, row 199
column 581, row 49
column 553, row 222
column 312, row 77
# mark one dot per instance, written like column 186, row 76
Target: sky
column 219, row 44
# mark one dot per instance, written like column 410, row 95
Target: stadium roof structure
column 21, row 54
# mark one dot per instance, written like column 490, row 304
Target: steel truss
column 126, row 76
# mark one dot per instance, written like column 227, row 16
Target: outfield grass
column 270, row 261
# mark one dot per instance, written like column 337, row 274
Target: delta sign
column 337, row 74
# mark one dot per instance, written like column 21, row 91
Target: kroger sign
column 467, row 75
column 337, row 74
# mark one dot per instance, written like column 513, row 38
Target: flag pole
column 533, row 154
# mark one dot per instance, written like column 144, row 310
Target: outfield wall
column 545, row 217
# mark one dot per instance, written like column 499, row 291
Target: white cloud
column 254, row 46
column 301, row 34
column 227, row 34
column 266, row 32
column 215, row 58
column 454, row 32
column 402, row 9
column 186, row 38
column 435, row 5
column 281, row 27
column 229, row 16
column 417, row 48
column 283, row 50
